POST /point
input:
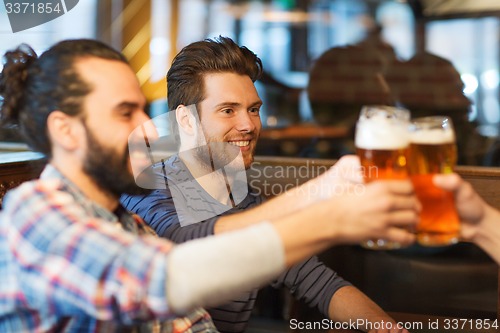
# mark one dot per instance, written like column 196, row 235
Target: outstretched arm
column 336, row 181
column 159, row 211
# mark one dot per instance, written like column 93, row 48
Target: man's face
column 112, row 110
column 230, row 112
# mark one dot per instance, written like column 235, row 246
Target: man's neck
column 214, row 182
column 86, row 184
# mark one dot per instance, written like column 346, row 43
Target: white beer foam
column 381, row 133
column 432, row 136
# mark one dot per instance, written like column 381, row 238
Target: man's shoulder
column 37, row 194
column 37, row 187
column 156, row 197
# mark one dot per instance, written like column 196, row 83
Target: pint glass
column 382, row 141
column 432, row 150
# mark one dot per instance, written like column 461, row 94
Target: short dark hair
column 185, row 82
column 32, row 87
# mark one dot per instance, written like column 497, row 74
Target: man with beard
column 216, row 110
column 72, row 259
column 49, row 97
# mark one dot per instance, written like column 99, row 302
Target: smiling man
column 211, row 88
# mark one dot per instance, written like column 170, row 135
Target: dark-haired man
column 216, row 107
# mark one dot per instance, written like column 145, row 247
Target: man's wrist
column 483, row 232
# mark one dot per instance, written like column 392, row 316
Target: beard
column 109, row 169
column 216, row 154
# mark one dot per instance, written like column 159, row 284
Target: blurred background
column 323, row 60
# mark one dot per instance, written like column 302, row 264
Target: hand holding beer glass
column 382, row 141
column 432, row 150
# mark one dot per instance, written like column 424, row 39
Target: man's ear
column 185, row 120
column 65, row 131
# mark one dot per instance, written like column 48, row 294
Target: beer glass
column 382, row 141
column 432, row 150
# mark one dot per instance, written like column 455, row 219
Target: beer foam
column 382, row 134
column 432, row 136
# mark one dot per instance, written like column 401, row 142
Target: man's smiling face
column 230, row 112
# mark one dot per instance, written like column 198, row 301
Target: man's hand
column 343, row 174
column 470, row 206
column 480, row 221
column 380, row 209
column 346, row 170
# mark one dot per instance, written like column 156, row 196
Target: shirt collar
column 92, row 208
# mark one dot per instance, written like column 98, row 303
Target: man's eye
column 255, row 110
column 227, row 111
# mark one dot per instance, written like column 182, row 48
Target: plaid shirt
column 69, row 265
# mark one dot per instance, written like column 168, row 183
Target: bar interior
column 323, row 61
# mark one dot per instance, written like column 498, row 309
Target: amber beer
column 432, row 151
column 382, row 143
column 383, row 163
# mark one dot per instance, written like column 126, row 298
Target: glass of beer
column 382, row 141
column 433, row 150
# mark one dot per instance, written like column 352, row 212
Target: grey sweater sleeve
column 312, row 282
column 158, row 210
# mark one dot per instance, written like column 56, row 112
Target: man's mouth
column 239, row 143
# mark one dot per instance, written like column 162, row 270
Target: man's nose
column 245, row 123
